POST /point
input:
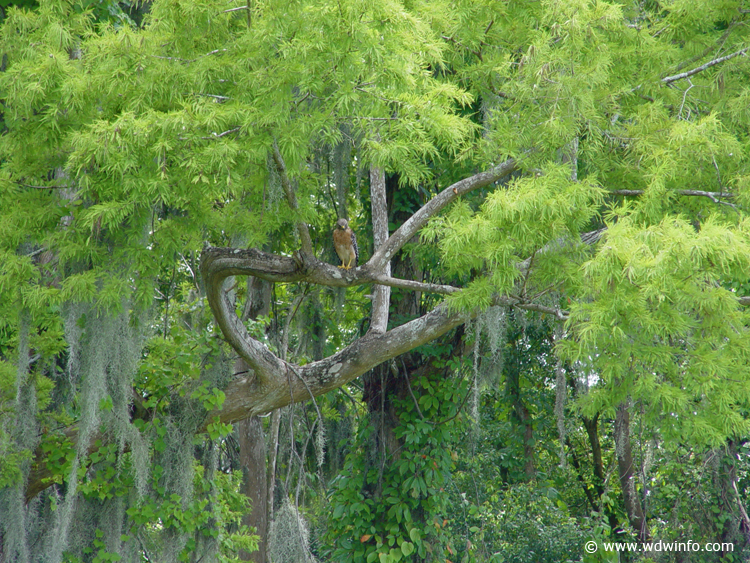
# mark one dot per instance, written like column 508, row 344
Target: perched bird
column 345, row 243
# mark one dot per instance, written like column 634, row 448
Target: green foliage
column 514, row 224
column 10, row 457
column 533, row 527
column 128, row 144
column 664, row 329
column 214, row 516
column 407, row 520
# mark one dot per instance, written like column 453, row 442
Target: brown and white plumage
column 345, row 243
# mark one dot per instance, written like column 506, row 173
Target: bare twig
column 312, row 395
column 287, row 323
column 184, row 261
column 214, row 96
column 368, row 118
column 415, row 285
column 413, row 398
column 709, row 64
column 528, row 273
column 684, row 97
column 543, row 292
column 291, row 198
column 718, row 172
column 214, row 52
column 713, row 196
column 219, row 135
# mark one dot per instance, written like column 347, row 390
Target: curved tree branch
column 404, row 233
column 255, row 394
column 269, row 387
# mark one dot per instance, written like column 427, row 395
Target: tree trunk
column 592, row 429
column 520, row 413
column 273, row 452
column 626, row 470
column 595, row 506
column 382, row 293
column 253, row 460
column 251, row 439
column 382, row 383
column 730, row 500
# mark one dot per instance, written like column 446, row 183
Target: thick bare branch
column 273, row 383
column 406, row 231
column 251, row 395
column 283, row 269
column 270, row 381
column 267, row 366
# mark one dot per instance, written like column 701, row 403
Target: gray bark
column 382, row 293
column 253, row 460
column 251, row 439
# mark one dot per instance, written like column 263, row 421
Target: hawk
column 345, row 243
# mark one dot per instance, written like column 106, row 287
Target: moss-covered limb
column 255, row 394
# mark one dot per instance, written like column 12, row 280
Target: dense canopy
column 550, row 200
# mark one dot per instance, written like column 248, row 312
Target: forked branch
column 268, row 387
